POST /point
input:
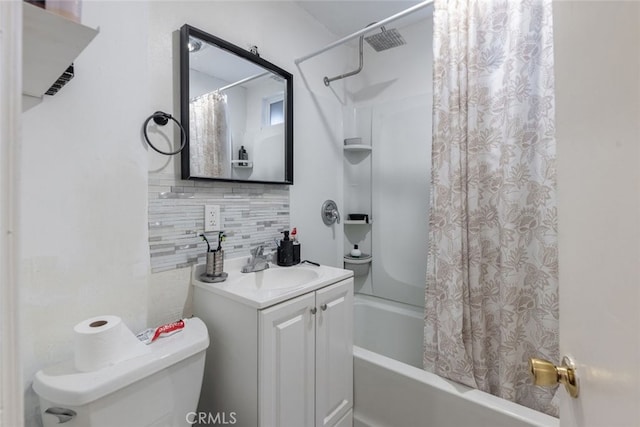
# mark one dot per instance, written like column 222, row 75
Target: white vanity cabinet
column 283, row 364
column 306, row 363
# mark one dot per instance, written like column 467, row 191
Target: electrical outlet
column 212, row 218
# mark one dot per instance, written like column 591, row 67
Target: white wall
column 83, row 182
column 85, row 166
column 282, row 32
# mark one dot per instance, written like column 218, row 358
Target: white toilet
column 160, row 388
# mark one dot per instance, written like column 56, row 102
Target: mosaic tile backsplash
column 250, row 214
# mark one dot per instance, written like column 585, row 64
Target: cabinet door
column 334, row 352
column 286, row 364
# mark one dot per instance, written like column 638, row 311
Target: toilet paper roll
column 102, row 341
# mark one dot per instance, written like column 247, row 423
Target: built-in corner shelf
column 363, row 259
column 241, row 164
column 359, row 265
column 50, row 43
column 357, row 147
column 357, row 222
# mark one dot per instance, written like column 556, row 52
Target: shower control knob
column 329, row 212
column 546, row 374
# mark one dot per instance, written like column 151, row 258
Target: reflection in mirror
column 239, row 110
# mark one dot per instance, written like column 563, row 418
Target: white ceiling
column 341, row 17
column 347, row 16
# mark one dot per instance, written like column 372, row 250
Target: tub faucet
column 257, row 262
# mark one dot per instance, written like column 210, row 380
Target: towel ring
column 160, row 118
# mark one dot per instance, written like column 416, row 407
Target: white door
column 597, row 64
column 334, row 352
column 286, row 365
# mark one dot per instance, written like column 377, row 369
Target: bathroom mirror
column 237, row 111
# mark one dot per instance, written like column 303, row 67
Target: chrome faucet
column 257, row 262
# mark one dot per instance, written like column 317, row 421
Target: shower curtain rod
column 366, row 30
column 230, row 85
column 245, row 80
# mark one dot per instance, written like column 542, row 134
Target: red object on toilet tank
column 168, row 329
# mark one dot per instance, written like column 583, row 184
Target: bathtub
column 389, row 391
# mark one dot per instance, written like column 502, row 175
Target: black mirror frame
column 187, row 31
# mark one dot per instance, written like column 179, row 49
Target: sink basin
column 271, row 286
column 277, row 278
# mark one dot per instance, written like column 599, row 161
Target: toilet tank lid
column 64, row 385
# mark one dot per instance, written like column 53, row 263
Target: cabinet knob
column 314, row 310
column 323, row 307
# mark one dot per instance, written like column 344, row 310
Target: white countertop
column 263, row 298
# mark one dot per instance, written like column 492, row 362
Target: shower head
column 386, row 39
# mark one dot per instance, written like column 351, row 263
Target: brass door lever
column 546, row 374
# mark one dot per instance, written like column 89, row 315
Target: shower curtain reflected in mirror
column 492, row 275
column 210, row 138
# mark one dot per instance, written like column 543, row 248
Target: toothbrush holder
column 215, row 263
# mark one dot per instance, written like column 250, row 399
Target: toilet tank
column 160, row 388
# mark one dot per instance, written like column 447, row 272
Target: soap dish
column 216, row 278
column 362, row 259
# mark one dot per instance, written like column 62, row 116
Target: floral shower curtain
column 210, row 139
column 492, row 272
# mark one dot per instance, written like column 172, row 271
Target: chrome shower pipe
column 366, row 30
column 328, row 80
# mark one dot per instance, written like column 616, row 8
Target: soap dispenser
column 243, row 155
column 285, row 251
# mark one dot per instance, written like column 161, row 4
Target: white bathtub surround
column 385, row 348
column 413, row 397
column 492, row 275
column 390, row 109
column 389, row 328
column 402, row 148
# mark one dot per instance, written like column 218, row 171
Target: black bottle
column 296, row 253
column 243, row 155
column 285, row 251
